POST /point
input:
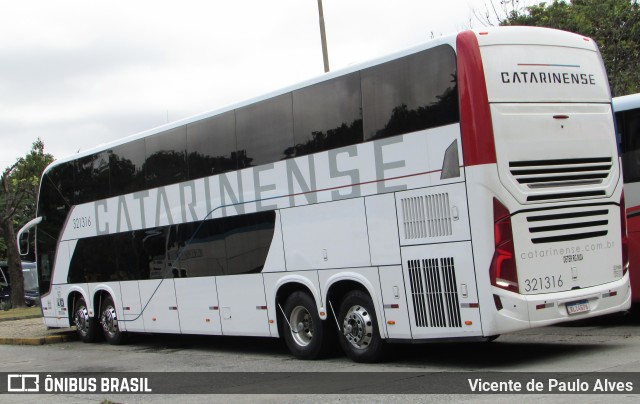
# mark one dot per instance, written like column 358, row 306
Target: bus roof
column 626, row 102
column 487, row 37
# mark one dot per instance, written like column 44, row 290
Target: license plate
column 578, row 307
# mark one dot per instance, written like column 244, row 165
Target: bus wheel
column 359, row 336
column 109, row 321
column 306, row 335
column 85, row 325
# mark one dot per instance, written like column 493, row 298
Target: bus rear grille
column 538, row 174
column 551, row 227
column 434, row 292
column 426, row 216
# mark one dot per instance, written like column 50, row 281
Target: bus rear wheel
column 305, row 334
column 86, row 326
column 109, row 321
column 359, row 335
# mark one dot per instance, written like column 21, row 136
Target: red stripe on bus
column 478, row 146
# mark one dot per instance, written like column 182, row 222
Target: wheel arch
column 285, row 287
column 72, row 297
column 339, row 285
column 99, row 294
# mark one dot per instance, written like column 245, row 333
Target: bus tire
column 109, row 322
column 86, row 326
column 305, row 334
column 359, row 335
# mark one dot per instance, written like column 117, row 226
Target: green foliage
column 613, row 24
column 19, row 190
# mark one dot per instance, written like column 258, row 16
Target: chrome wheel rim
column 358, row 327
column 82, row 320
column 109, row 321
column 301, row 326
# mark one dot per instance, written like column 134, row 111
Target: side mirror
column 23, row 235
column 23, row 243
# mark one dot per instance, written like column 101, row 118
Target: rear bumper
column 529, row 311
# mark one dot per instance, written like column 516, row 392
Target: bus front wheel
column 359, row 336
column 109, row 321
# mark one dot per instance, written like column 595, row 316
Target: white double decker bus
column 461, row 189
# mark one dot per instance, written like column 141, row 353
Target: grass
column 21, row 312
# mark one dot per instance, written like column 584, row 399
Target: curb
column 20, row 318
column 50, row 339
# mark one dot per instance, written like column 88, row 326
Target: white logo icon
column 23, row 383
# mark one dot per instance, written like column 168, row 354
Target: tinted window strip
column 568, row 226
column 568, row 237
column 570, row 215
column 560, row 162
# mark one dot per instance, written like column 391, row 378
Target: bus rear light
column 503, row 271
column 624, row 235
column 544, row 306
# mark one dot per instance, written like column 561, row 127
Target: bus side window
column 211, row 146
column 265, row 131
column 91, row 178
column 328, row 115
column 629, row 125
column 126, row 168
column 166, row 157
column 409, row 94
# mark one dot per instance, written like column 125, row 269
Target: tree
column 18, row 195
column 613, row 24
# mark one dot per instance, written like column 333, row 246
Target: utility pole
column 323, row 38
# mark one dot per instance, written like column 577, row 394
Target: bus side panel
column 243, row 313
column 382, row 225
column 131, row 306
column 328, row 235
column 396, row 310
column 161, row 311
column 440, row 281
column 197, row 300
column 481, row 181
column 57, row 314
column 433, row 215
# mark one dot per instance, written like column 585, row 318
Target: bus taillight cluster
column 625, row 237
column 503, row 266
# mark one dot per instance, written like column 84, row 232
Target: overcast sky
column 85, row 72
